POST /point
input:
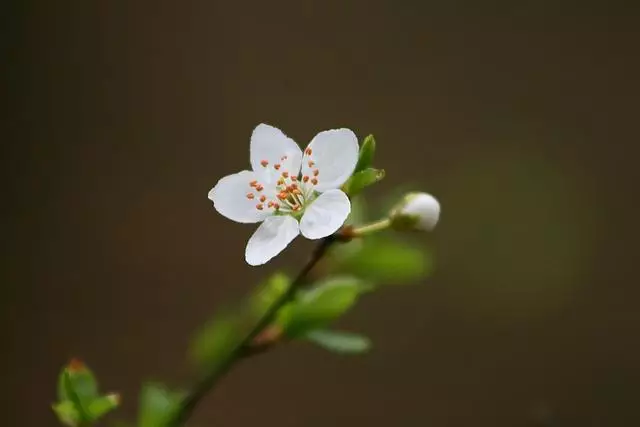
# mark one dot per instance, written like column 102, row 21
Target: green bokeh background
column 521, row 118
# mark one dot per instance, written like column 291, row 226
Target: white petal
column 325, row 215
column 272, row 146
column 273, row 235
column 334, row 153
column 229, row 197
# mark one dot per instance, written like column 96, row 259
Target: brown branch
column 247, row 346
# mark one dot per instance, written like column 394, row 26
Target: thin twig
column 205, row 384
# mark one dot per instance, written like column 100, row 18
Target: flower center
column 292, row 192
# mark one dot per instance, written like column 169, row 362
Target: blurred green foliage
column 225, row 331
column 79, row 401
column 157, row 405
column 339, row 341
column 319, row 306
column 382, row 260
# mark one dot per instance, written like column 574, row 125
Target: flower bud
column 416, row 211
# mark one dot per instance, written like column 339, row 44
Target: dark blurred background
column 521, row 117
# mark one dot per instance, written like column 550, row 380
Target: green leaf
column 67, row 413
column 225, row 331
column 367, row 152
column 360, row 180
column 340, row 342
column 319, row 306
column 77, row 384
column 385, row 260
column 103, row 405
column 157, row 405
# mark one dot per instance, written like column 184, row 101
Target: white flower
column 288, row 190
column 419, row 211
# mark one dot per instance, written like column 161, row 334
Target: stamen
column 316, row 172
column 264, row 163
column 294, row 178
column 314, row 181
column 263, row 198
column 283, row 195
column 276, row 205
column 253, row 183
column 285, row 174
column 259, row 187
column 311, row 163
column 305, row 178
column 270, row 204
column 260, row 206
column 281, row 181
column 308, row 151
column 251, row 196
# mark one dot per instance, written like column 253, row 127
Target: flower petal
column 229, row 197
column 325, row 215
column 272, row 152
column 334, row 154
column 273, row 235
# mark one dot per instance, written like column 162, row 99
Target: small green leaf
column 385, row 260
column 78, row 385
column 225, row 331
column 157, row 405
column 360, row 180
column 103, row 405
column 367, row 152
column 67, row 413
column 340, row 342
column 319, row 306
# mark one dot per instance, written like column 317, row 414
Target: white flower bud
column 419, row 211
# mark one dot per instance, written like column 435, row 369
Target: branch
column 205, row 384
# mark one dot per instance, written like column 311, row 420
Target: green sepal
column 360, row 180
column 367, row 152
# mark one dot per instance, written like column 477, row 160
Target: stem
column 371, row 228
column 205, row 384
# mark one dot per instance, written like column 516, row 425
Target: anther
column 276, row 166
column 276, row 206
column 283, row 195
column 260, row 206
column 263, row 198
column 253, row 183
column 270, row 204
column 311, row 163
column 250, row 196
column 259, row 187
column 264, row 163
column 283, row 158
column 285, row 174
column 314, row 181
column 281, row 181
column 305, row 178
column 316, row 172
column 308, row 151
column 294, row 178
